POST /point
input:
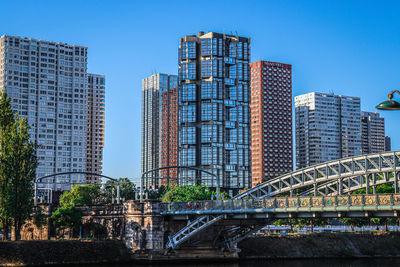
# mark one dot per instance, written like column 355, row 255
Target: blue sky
column 345, row 47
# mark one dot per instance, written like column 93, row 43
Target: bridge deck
column 331, row 206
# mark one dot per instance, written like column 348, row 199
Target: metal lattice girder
column 337, row 170
column 329, row 173
column 193, row 228
column 351, row 184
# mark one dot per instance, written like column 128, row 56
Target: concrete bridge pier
column 146, row 234
column 144, row 226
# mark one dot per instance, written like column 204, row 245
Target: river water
column 275, row 263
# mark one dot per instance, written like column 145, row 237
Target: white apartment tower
column 152, row 88
column 48, row 84
column 327, row 128
column 373, row 132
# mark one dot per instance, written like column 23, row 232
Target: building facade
column 95, row 126
column 152, row 89
column 214, row 113
column 47, row 84
column 327, row 128
column 388, row 143
column 169, row 136
column 271, row 120
column 372, row 132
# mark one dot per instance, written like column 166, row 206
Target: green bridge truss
column 327, row 182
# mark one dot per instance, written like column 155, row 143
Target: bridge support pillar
column 144, row 225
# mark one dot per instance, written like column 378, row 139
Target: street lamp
column 389, row 104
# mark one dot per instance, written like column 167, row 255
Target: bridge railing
column 285, row 204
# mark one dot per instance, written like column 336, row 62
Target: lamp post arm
column 390, row 95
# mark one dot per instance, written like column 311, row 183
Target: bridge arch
column 38, row 179
column 321, row 176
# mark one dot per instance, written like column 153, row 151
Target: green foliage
column 39, row 219
column 178, row 193
column 6, row 122
column 82, row 195
column 18, row 164
column 128, row 189
column 67, row 217
column 157, row 193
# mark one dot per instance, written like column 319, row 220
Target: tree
column 67, row 215
column 83, row 195
column 18, row 164
column 179, row 193
column 128, row 189
column 6, row 121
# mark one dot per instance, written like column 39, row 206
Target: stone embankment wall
column 62, row 252
column 322, row 245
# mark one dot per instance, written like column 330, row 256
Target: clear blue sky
column 345, row 47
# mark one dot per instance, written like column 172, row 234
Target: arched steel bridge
column 327, row 182
column 39, row 180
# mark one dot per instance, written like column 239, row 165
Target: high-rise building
column 169, row 135
column 95, row 126
column 152, row 89
column 47, row 83
column 271, row 120
column 327, row 128
column 372, row 132
column 214, row 113
column 388, row 145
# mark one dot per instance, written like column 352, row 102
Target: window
column 188, row 92
column 188, row 50
column 211, row 90
column 211, row 134
column 188, row 156
column 187, row 135
column 188, row 71
column 211, row 111
column 188, row 113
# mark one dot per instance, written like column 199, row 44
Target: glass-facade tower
column 152, row 89
column 214, row 114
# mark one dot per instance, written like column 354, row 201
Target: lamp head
column 389, row 105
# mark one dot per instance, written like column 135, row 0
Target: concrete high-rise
column 47, row 83
column 214, row 112
column 271, row 120
column 95, row 126
column 152, row 89
column 327, row 128
column 372, row 132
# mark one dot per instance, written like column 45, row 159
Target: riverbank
column 321, row 245
column 311, row 246
column 62, row 252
